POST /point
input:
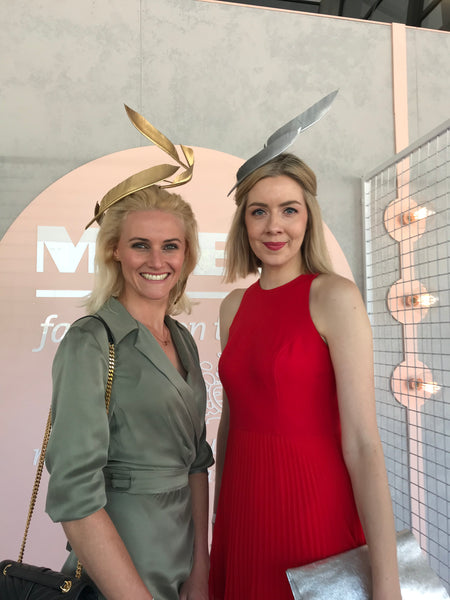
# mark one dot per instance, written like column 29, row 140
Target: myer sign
column 67, row 255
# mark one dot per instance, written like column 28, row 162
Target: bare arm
column 102, row 553
column 221, row 448
column 339, row 314
column 228, row 310
column 196, row 586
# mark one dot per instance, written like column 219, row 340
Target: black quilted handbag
column 19, row 581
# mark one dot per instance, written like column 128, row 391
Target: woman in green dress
column 130, row 488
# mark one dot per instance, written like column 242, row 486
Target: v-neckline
column 179, row 348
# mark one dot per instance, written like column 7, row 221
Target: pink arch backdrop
column 46, row 267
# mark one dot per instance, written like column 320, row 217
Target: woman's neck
column 151, row 314
column 273, row 277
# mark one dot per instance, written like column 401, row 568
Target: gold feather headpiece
column 151, row 176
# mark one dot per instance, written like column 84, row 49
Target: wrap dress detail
column 136, row 466
column 286, row 497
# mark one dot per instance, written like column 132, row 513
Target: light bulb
column 416, row 215
column 431, row 387
column 420, row 300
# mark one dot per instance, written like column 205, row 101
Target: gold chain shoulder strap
column 37, row 481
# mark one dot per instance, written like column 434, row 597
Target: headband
column 283, row 137
column 151, row 176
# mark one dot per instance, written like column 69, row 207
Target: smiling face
column 151, row 251
column 276, row 217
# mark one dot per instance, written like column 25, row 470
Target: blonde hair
column 108, row 279
column 240, row 260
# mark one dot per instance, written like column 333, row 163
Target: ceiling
column 431, row 14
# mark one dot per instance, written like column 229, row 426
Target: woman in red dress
column 300, row 471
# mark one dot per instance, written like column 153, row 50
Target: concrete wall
column 208, row 74
column 428, row 80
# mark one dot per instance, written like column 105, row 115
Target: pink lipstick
column 274, row 245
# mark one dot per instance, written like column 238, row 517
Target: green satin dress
column 136, row 463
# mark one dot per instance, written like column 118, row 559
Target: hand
column 391, row 592
column 195, row 587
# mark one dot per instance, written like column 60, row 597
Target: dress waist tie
column 150, row 481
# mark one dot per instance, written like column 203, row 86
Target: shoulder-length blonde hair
column 240, row 260
column 108, row 279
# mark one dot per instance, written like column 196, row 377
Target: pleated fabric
column 286, row 497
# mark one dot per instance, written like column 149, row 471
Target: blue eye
column 257, row 212
column 290, row 210
column 139, row 245
column 171, row 246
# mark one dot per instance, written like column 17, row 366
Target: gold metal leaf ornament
column 157, row 174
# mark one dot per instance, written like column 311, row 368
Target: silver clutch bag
column 347, row 575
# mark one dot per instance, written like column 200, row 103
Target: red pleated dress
column 286, row 497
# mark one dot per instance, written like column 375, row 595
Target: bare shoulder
column 332, row 289
column 230, row 305
column 335, row 302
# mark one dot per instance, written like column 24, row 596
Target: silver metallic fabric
column 283, row 137
column 347, row 576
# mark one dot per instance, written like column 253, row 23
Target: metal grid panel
column 406, row 223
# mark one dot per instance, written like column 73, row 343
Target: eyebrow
column 287, row 203
column 141, row 239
